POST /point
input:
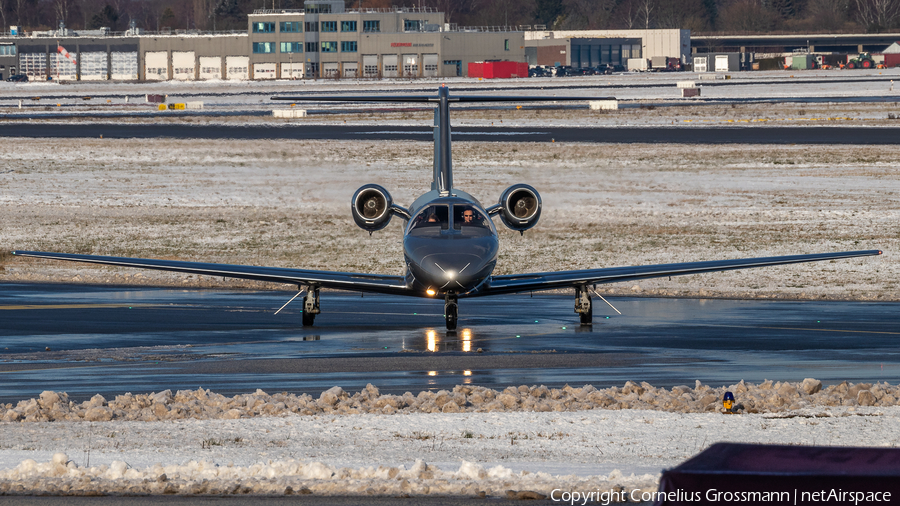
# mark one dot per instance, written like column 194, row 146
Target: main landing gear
column 583, row 305
column 451, row 311
column 311, row 306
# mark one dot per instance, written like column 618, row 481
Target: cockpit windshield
column 467, row 220
column 470, row 221
column 430, row 219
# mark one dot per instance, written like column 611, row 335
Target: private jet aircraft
column 450, row 242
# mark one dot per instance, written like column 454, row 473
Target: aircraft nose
column 453, row 271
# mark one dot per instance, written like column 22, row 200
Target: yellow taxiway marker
column 72, row 306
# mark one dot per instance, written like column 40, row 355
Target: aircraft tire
column 587, row 318
column 308, row 318
column 451, row 311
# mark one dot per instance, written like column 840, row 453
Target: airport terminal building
column 323, row 40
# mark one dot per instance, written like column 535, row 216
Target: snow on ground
column 419, row 453
column 632, row 89
column 285, row 204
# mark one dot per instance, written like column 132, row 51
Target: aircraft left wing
column 512, row 283
column 376, row 283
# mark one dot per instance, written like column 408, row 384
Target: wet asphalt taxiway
column 86, row 340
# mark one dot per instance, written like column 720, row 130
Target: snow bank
column 766, row 397
column 61, row 476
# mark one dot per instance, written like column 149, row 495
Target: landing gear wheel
column 311, row 306
column 583, row 305
column 451, row 312
column 588, row 316
column 308, row 319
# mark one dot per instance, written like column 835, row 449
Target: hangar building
column 589, row 48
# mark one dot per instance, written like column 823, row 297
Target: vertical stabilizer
column 443, row 169
column 437, row 149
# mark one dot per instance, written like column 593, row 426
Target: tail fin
column 443, row 161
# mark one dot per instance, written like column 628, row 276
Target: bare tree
column 625, row 15
column 587, row 14
column 645, row 11
column 877, row 15
column 829, row 14
column 61, row 9
column 683, row 14
column 746, row 16
column 3, row 4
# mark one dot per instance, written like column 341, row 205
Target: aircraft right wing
column 512, row 283
column 376, row 283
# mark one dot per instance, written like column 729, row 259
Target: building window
column 329, row 47
column 413, row 25
column 506, row 44
column 7, row 50
column 329, row 26
column 263, row 47
column 348, row 26
column 291, row 47
column 311, row 47
column 290, row 27
column 372, row 26
column 313, row 8
column 311, row 26
column 348, row 46
column 263, row 27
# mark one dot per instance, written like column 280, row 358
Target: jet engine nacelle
column 520, row 207
column 372, row 207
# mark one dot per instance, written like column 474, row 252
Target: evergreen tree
column 108, row 17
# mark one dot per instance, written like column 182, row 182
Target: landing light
column 430, row 292
column 450, row 274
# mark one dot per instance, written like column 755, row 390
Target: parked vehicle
column 863, row 61
column 17, row 78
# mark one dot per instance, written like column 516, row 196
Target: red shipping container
column 498, row 69
column 891, row 60
column 522, row 69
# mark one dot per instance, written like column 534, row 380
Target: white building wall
column 94, row 66
column 264, row 70
column 237, row 68
column 210, row 67
column 124, row 65
column 672, row 43
column 183, row 65
column 156, row 65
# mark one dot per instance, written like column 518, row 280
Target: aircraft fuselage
column 450, row 245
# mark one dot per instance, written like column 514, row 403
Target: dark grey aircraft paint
column 450, row 243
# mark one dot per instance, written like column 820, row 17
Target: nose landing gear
column 451, row 311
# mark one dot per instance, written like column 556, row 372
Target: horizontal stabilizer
column 435, row 98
